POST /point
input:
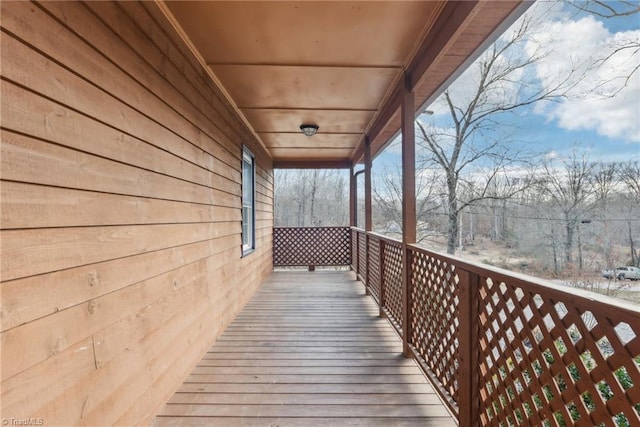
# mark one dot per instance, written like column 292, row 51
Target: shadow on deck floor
column 308, row 350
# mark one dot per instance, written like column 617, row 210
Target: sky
column 601, row 113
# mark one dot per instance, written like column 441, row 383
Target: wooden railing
column 311, row 246
column 504, row 348
column 500, row 347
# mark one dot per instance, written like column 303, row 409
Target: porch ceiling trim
column 343, row 69
column 457, row 21
column 312, row 164
column 196, row 53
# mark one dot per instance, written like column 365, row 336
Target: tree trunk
column 452, row 226
column 634, row 257
column 568, row 247
column 494, row 226
column 453, row 231
column 314, row 185
column 503, row 217
column 579, row 250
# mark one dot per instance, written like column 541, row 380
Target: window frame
column 248, row 246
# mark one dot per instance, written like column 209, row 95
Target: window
column 248, row 202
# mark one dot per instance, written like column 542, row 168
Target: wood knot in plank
column 93, row 278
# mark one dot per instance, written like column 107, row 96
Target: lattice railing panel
column 548, row 357
column 362, row 259
column 354, row 250
column 392, row 281
column 512, row 350
column 435, row 318
column 374, row 266
column 321, row 246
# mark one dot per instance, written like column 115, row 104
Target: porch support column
column 368, row 223
column 352, row 196
column 407, row 113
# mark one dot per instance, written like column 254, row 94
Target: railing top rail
column 595, row 301
column 499, row 344
column 386, row 239
column 312, row 226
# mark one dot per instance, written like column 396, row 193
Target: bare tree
column 608, row 9
column 310, row 197
column 569, row 187
column 630, row 175
column 387, row 194
column 611, row 10
column 502, row 81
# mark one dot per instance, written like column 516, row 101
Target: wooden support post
column 352, row 211
column 468, row 409
column 368, row 223
column 382, row 287
column 367, row 284
column 353, row 197
column 407, row 114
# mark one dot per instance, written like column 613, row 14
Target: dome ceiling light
column 309, row 129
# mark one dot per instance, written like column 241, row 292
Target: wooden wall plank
column 90, row 64
column 157, row 56
column 197, row 75
column 40, row 206
column 104, row 402
column 46, row 380
column 36, row 251
column 26, row 159
column 28, row 344
column 120, row 219
column 27, row 299
column 71, row 129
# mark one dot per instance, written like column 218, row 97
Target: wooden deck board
column 307, row 350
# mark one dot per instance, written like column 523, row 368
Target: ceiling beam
column 437, row 39
column 452, row 21
column 312, row 164
column 380, row 122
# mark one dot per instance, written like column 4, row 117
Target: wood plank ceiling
column 336, row 64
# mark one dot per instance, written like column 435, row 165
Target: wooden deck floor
column 308, row 350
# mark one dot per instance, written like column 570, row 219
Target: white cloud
column 605, row 100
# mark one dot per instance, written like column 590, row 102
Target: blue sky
column 607, row 126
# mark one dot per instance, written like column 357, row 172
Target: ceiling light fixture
column 309, row 130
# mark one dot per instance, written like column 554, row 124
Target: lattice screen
column 392, row 281
column 551, row 358
column 543, row 356
column 354, row 250
column 362, row 258
column 301, row 246
column 374, row 267
column 434, row 317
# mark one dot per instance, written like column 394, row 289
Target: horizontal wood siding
column 121, row 196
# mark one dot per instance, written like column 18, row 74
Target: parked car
column 622, row 273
